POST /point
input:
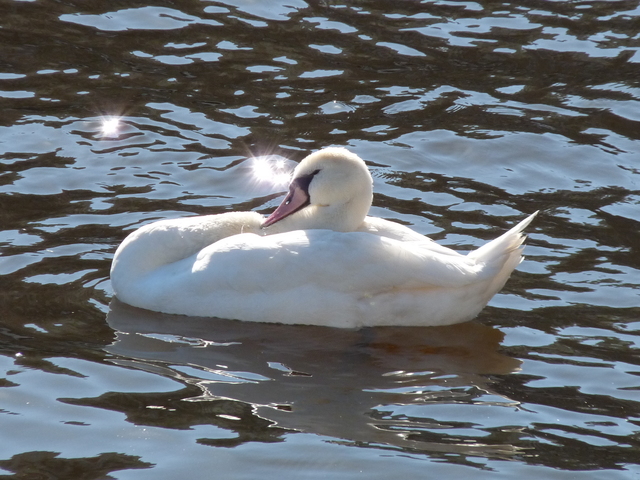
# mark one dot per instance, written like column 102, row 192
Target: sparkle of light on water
column 470, row 115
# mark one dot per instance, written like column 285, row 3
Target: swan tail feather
column 501, row 256
column 506, row 244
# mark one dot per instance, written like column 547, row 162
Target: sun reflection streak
column 110, row 126
column 271, row 169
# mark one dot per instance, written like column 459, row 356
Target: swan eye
column 302, row 182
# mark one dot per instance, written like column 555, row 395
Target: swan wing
column 355, row 262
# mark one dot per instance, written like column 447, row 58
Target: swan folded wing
column 418, row 265
column 385, row 228
column 396, row 231
column 353, row 262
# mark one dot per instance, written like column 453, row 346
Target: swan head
column 331, row 188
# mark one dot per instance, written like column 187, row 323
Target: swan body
column 317, row 259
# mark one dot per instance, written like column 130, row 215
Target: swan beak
column 296, row 199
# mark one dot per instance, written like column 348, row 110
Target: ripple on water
column 469, row 114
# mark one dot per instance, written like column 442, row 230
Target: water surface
column 469, row 114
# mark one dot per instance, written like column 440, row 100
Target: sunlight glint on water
column 469, row 115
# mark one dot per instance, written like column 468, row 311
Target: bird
column 318, row 259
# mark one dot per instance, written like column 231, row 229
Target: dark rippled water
column 470, row 115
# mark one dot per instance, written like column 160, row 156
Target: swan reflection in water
column 371, row 386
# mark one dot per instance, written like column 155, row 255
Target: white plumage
column 318, row 259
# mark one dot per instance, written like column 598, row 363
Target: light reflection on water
column 110, row 126
column 272, row 170
column 470, row 115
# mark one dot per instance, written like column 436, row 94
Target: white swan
column 318, row 259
